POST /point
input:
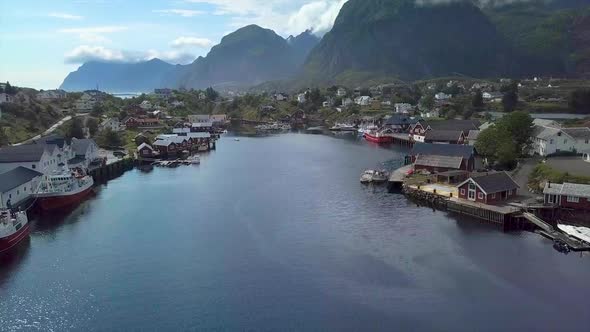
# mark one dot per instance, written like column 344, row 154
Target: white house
column 402, row 107
column 301, row 98
column 6, row 98
column 551, row 140
column 85, row 103
column 341, row 92
column 280, row 97
column 199, row 118
column 202, row 96
column 495, row 97
column 86, row 152
column 17, row 185
column 442, row 96
column 347, row 102
column 113, row 124
column 363, row 100
column 177, row 103
column 38, row 157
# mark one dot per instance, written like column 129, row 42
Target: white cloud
column 94, row 34
column 181, row 42
column 284, row 16
column 86, row 53
column 65, row 16
column 180, row 12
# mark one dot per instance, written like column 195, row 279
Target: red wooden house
column 444, row 137
column 568, row 195
column 490, row 188
column 166, row 148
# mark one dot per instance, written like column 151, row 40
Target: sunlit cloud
column 180, row 12
column 181, row 42
column 86, row 53
column 65, row 16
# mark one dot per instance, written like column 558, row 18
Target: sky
column 42, row 41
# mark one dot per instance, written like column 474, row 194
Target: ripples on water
column 277, row 233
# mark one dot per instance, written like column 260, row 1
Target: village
column 474, row 147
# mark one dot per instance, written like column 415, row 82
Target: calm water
column 277, row 233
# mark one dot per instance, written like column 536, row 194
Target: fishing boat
column 367, row 176
column 373, row 176
column 62, row 190
column 343, row 127
column 378, row 136
column 14, row 227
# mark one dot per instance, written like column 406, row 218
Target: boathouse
column 165, row 147
column 445, row 157
column 444, row 137
column 145, row 151
column 488, row 188
column 568, row 195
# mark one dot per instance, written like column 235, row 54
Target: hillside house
column 494, row 97
column 402, row 107
column 199, row 118
column 17, row 186
column 133, row 122
column 146, row 105
column 49, row 95
column 442, row 96
column 568, row 195
column 491, row 188
column 280, row 97
column 85, row 103
column 6, row 98
column 363, row 100
column 113, row 124
column 301, row 98
column 341, row 92
column 347, row 102
column 163, row 93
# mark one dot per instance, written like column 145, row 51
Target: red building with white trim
column 568, row 195
column 490, row 188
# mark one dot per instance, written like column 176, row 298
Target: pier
column 111, row 171
column 397, row 177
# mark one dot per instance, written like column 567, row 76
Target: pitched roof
column 198, row 135
column 546, row 132
column 163, row 142
column 492, row 183
column 463, row 125
column 51, row 139
column 443, row 135
column 16, row 177
column 202, row 124
column 144, row 145
column 567, row 189
column 80, row 146
column 579, row 133
column 545, row 123
column 453, row 150
column 401, row 119
column 473, row 135
column 21, row 153
column 439, row 161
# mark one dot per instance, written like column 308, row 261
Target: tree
column 579, row 101
column 110, row 138
column 97, row 110
column 211, row 94
column 76, row 129
column 468, row 113
column 123, row 114
column 510, row 98
column 9, row 89
column 3, row 137
column 496, row 145
column 92, row 125
column 427, row 101
column 315, row 96
column 519, row 127
column 477, row 100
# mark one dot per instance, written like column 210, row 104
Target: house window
column 565, row 141
column 462, row 191
column 551, row 141
column 480, row 195
column 573, row 199
column 493, row 196
column 33, row 166
column 587, row 140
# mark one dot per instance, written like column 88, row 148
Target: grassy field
column 543, row 173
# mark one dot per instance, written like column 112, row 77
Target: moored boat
column 378, row 137
column 367, row 176
column 14, row 227
column 63, row 190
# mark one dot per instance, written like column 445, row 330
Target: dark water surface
column 277, row 233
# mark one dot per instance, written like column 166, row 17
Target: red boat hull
column 10, row 241
column 378, row 139
column 63, row 201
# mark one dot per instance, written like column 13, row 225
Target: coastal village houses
column 113, row 124
column 49, row 95
column 6, row 98
column 550, row 140
column 568, row 195
column 17, row 185
column 488, row 188
column 418, row 130
column 85, row 103
column 435, row 158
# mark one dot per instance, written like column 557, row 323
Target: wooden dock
column 551, row 233
column 398, row 176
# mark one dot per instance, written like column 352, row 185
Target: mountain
column 120, row 77
column 548, row 38
column 409, row 41
column 248, row 56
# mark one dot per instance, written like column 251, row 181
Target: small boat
column 63, row 190
column 380, row 176
column 343, row 127
column 194, row 160
column 14, row 227
column 236, row 139
column 367, row 176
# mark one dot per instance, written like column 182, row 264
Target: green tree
column 110, row 138
column 211, row 94
column 97, row 110
column 92, row 125
column 427, row 101
column 519, row 127
column 477, row 100
column 76, row 129
column 496, row 146
column 510, row 98
column 3, row 137
column 579, row 101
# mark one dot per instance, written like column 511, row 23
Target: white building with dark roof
column 17, row 185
